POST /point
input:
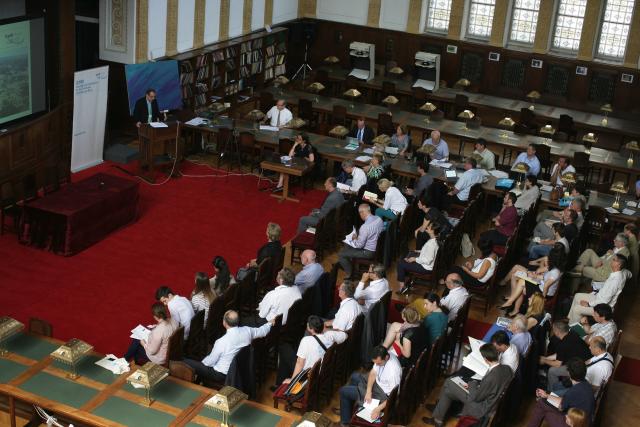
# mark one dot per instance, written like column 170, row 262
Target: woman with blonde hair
column 408, row 339
column 272, row 248
column 576, row 418
column 394, row 202
column 535, row 310
column 375, row 169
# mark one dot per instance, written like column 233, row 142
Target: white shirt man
column 394, row 200
column 279, row 115
column 469, row 178
column 559, row 169
column 347, row 313
column 388, row 375
column 311, row 351
column 457, row 296
column 372, row 293
column 510, row 357
column 280, row 300
column 227, row 346
column 182, row 312
column 600, row 366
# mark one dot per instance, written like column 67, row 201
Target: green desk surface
column 168, row 392
column 58, row 389
column 244, row 416
column 30, row 346
column 131, row 414
column 88, row 368
column 10, row 369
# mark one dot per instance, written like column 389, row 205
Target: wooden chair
column 176, row 344
column 339, row 115
column 293, row 330
column 486, row 291
column 231, row 297
column 403, row 411
column 248, row 149
column 40, row 327
column 308, row 401
column 265, row 351
column 305, row 240
column 384, row 420
column 276, row 265
column 455, row 337
column 214, row 328
column 595, row 223
column 263, row 278
column 246, row 302
column 615, row 345
column 603, row 393
column 196, row 345
column 327, row 373
column 432, row 369
column 361, row 265
column 305, row 111
column 543, row 152
column 349, row 359
column 385, row 124
column 182, row 371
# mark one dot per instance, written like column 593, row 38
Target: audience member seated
column 401, row 140
column 433, row 215
column 394, row 202
column 311, row 271
column 155, row 348
column 541, row 247
column 223, row 278
column 312, row 348
column 372, row 287
column 608, row 294
column 579, row 396
column 456, row 297
column 631, row 231
column 279, row 300
column 506, row 223
column 529, row 195
column 279, row 115
column 348, row 311
column 598, row 268
column 576, row 418
column 423, row 182
column 332, row 201
column 471, row 176
column 532, row 318
column 478, row 273
column 301, row 149
column 378, row 384
column 362, row 132
column 478, row 397
column 530, row 159
column 375, row 168
column 488, row 161
column 507, row 351
column 567, row 345
column 408, row 339
column 520, row 335
column 272, row 249
column 421, row 263
column 358, row 177
column 216, row 365
column 202, row 295
column 577, row 205
column 179, row 307
column 441, row 148
column 363, row 243
column 562, row 166
column 604, row 326
column 544, row 230
column 525, row 283
column 435, row 320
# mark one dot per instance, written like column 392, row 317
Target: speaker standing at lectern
column 146, row 109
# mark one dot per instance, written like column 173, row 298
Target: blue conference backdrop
column 161, row 76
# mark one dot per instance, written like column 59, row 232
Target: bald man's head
column 231, row 319
column 453, row 280
column 308, row 257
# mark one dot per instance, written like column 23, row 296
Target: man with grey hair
column 456, row 297
column 596, row 268
column 361, row 244
column 441, row 148
column 520, row 337
column 279, row 300
column 372, row 287
column 333, row 200
column 358, row 177
column 349, row 308
column 279, row 115
column 311, row 271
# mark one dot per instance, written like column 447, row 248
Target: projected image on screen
column 161, row 76
column 15, row 75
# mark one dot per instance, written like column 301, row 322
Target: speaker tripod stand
column 305, row 65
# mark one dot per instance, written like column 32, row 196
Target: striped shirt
column 368, row 234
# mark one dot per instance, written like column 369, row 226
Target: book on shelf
column 280, row 59
column 216, row 81
column 201, row 61
column 218, row 56
column 203, row 73
column 229, row 65
column 202, row 87
column 230, row 52
column 280, row 70
column 270, row 50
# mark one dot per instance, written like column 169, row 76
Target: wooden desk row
column 333, row 150
column 507, row 140
column 28, row 376
column 590, row 122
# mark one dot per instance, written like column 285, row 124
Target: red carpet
column 100, row 294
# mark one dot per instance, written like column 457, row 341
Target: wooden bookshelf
column 233, row 69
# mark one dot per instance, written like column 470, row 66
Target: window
column 524, row 21
column 438, row 12
column 480, row 18
column 569, row 24
column 614, row 31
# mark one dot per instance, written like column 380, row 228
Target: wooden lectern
column 150, row 137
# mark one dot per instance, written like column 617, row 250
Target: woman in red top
column 506, row 223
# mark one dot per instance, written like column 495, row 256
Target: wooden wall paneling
column 579, row 85
column 626, row 93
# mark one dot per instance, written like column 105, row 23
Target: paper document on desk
column 359, row 74
column 349, row 238
column 474, row 360
column 460, row 383
column 367, row 408
column 269, row 128
column 343, row 187
column 628, row 211
column 363, row 158
column 140, row 333
column 351, row 146
column 196, row 121
column 158, row 125
column 546, row 188
column 368, row 151
column 499, row 174
column 425, row 84
column 391, row 150
column 114, row 364
column 632, row 204
column 612, row 210
column 441, row 164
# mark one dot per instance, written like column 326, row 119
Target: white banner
column 89, row 116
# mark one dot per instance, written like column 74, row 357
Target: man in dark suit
column 146, row 109
column 362, row 132
column 478, row 398
column 332, row 201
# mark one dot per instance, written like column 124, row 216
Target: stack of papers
column 391, row 150
column 474, row 360
column 343, row 187
column 425, row 84
column 140, row 333
column 499, row 174
column 112, row 363
column 269, row 128
column 441, row 164
column 628, row 211
column 359, row 74
column 363, row 158
column 368, row 151
column 158, row 125
column 460, row 383
column 546, row 188
column 348, row 240
column 612, row 210
column 632, row 204
column 367, row 408
column 197, row 121
column 351, row 146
